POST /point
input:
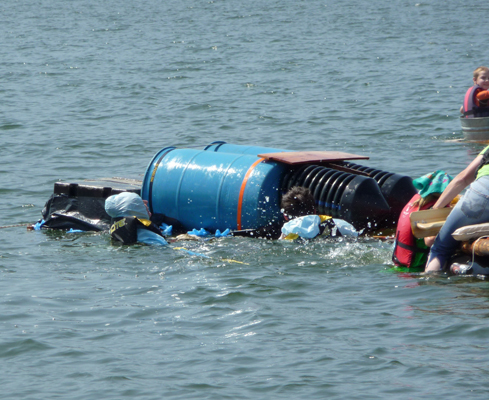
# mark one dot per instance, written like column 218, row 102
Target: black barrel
column 397, row 189
column 354, row 198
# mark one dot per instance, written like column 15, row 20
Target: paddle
column 428, row 222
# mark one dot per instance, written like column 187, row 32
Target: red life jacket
column 406, row 248
column 471, row 109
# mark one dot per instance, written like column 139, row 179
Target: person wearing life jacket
column 477, row 97
column 472, row 209
column 409, row 251
column 131, row 220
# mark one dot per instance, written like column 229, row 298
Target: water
column 94, row 89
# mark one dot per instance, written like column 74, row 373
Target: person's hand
column 147, row 208
column 428, row 241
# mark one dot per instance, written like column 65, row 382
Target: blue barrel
column 210, row 190
column 223, row 147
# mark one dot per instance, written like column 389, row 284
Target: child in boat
column 477, row 96
column 299, row 211
column 473, row 208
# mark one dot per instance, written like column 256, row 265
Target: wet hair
column 422, row 201
column 297, row 202
column 479, row 70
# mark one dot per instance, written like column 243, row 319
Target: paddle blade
column 428, row 222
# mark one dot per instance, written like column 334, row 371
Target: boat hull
column 475, row 128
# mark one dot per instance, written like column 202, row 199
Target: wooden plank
column 307, row 157
column 428, row 222
column 102, row 187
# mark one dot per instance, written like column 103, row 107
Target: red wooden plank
column 304, row 157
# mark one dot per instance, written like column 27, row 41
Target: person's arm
column 461, row 109
column 270, row 231
column 459, row 183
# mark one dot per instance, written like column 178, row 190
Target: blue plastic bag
column 224, row 233
column 201, row 232
column 306, row 227
column 147, row 237
column 166, row 230
column 126, row 204
column 38, row 225
column 75, row 231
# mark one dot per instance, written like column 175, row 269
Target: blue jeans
column 472, row 208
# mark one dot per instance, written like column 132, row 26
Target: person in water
column 299, row 210
column 477, row 97
column 297, row 202
column 473, row 208
column 410, row 252
column 134, row 223
column 131, row 220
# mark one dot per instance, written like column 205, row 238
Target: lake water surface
column 95, row 89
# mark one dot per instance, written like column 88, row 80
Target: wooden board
column 308, row 157
column 428, row 222
column 102, row 187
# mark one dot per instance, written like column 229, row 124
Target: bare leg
column 433, row 266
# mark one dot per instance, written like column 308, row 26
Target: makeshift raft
column 240, row 187
column 80, row 205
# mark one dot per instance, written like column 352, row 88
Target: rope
column 13, row 226
column 473, row 247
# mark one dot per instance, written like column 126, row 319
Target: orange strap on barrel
column 243, row 186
